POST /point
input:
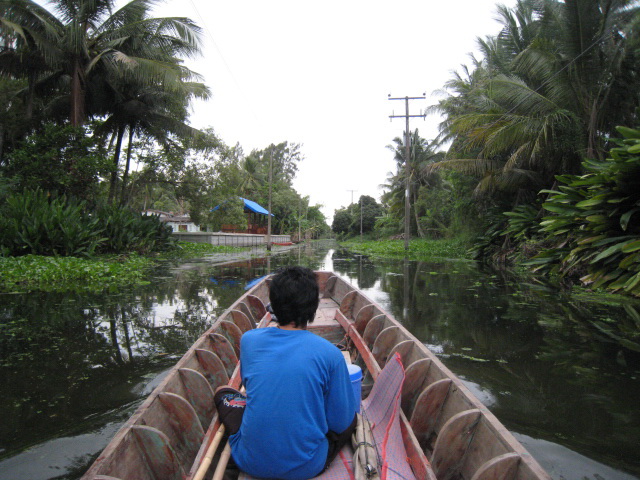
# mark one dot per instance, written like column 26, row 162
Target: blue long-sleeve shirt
column 298, row 388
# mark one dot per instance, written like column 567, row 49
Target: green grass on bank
column 419, row 249
column 102, row 273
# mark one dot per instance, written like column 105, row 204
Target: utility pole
column 269, row 212
column 360, row 218
column 352, row 194
column 407, row 152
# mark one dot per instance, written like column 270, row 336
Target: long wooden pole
column 206, row 461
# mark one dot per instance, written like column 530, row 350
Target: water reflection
column 548, row 365
column 562, row 373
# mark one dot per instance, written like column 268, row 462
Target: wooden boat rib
column 447, row 432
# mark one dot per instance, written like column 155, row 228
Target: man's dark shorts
column 230, row 404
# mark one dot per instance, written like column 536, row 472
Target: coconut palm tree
column 421, row 154
column 148, row 110
column 550, row 89
column 85, row 44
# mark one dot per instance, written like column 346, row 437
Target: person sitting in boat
column 300, row 408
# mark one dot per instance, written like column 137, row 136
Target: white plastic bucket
column 355, row 374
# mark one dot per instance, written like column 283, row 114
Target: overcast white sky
column 319, row 73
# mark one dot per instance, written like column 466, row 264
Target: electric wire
column 546, row 82
column 225, row 63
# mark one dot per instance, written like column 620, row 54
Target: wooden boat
column 446, row 431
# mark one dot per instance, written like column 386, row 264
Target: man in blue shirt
column 300, row 408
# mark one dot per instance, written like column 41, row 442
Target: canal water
column 561, row 371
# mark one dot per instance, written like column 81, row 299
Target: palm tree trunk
column 30, row 95
column 77, row 94
column 116, row 164
column 415, row 214
column 125, row 175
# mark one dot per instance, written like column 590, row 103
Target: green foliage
column 363, row 214
column 228, row 212
column 128, row 231
column 34, row 223
column 59, row 159
column 419, row 249
column 446, row 206
column 191, row 250
column 32, row 272
column 523, row 222
column 341, row 222
column 594, row 219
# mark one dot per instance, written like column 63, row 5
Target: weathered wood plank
column 244, row 308
column 214, row 369
column 232, row 333
column 159, row 456
column 484, row 446
column 417, row 459
column 405, row 348
column 426, row 412
column 258, row 310
column 365, row 314
column 415, row 377
column 199, row 394
column 347, row 302
column 224, row 350
column 187, row 431
column 452, row 443
column 241, row 320
column 352, row 303
column 502, row 467
column 340, row 289
column 329, row 287
column 374, row 327
column 456, row 402
column 385, row 343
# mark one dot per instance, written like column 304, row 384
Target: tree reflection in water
column 549, row 365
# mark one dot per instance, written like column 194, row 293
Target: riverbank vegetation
column 420, row 249
column 95, row 274
column 95, row 130
column 96, row 118
column 537, row 158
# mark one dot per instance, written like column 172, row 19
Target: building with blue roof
column 256, row 219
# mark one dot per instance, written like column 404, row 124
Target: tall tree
column 87, row 44
column 551, row 88
column 422, row 155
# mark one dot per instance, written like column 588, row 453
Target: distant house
column 178, row 223
column 256, row 219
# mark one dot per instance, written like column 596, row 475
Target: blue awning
column 250, row 206
column 254, row 207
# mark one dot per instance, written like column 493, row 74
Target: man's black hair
column 293, row 293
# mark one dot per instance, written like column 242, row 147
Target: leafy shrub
column 128, row 231
column 594, row 218
column 33, row 223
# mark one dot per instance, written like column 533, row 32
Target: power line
column 224, row 61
